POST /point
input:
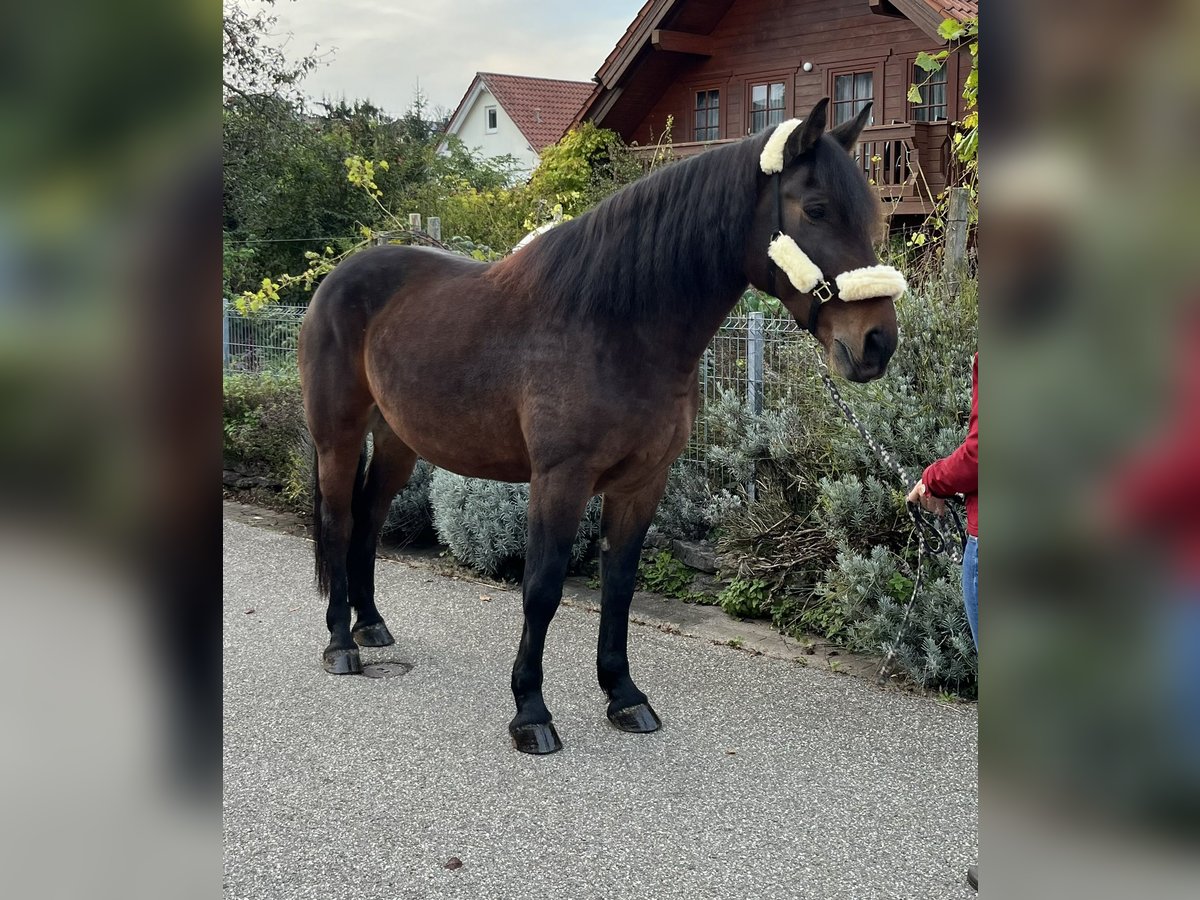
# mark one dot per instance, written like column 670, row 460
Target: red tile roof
column 955, row 9
column 541, row 107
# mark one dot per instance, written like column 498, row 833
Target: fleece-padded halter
column 804, row 274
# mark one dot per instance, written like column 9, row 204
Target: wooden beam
column 885, row 8
column 681, row 42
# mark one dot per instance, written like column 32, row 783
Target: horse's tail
column 320, row 550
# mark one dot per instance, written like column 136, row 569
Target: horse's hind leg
column 556, row 504
column 339, row 475
column 624, row 521
column 391, row 465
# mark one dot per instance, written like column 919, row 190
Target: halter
column 804, row 274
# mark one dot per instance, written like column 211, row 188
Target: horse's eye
column 814, row 212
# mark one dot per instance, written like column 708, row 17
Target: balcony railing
column 887, row 155
column 891, row 156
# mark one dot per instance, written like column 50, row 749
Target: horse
column 572, row 364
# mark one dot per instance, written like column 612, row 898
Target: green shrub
column 484, row 523
column 745, row 597
column 263, row 423
column 297, row 490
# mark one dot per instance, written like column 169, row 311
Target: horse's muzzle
column 878, row 348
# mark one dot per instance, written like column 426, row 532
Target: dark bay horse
column 572, row 364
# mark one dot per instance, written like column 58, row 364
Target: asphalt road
column 768, row 779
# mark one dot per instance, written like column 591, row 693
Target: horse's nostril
column 877, row 346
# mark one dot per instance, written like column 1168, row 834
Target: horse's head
column 812, row 243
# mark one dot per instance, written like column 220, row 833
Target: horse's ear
column 806, row 136
column 847, row 133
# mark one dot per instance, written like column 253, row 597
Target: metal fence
column 260, row 342
column 752, row 356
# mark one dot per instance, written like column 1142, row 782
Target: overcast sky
column 382, row 48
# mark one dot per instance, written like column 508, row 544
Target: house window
column 708, row 116
column 492, row 118
column 766, row 105
column 932, row 85
column 851, row 91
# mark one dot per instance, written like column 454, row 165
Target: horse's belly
column 477, row 443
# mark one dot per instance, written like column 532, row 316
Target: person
column 1154, row 499
column 958, row 473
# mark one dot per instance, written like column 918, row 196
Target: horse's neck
column 700, row 324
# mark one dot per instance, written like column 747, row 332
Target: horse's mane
column 654, row 248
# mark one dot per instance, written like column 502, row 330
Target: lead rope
column 933, row 532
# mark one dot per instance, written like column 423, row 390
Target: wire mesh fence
column 751, row 356
column 261, row 342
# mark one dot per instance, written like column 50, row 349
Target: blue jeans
column 970, row 586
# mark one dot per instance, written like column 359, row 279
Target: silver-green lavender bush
column 409, row 513
column 843, row 559
column 484, row 523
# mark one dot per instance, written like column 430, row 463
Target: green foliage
column 297, row 490
column 754, row 300
column 587, row 165
column 745, row 597
column 303, row 190
column 965, row 137
column 286, row 194
column 237, row 264
column 484, row 523
column 263, row 423
column 666, row 575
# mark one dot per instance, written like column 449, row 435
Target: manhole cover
column 386, row 669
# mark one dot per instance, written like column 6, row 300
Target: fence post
column 954, row 255
column 754, row 362
column 224, row 332
column 754, row 377
column 435, row 227
column 414, row 221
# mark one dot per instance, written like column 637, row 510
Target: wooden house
column 722, row 69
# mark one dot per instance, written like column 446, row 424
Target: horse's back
column 364, row 284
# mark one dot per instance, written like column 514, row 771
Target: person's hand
column 928, row 502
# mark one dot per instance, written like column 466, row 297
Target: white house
column 516, row 115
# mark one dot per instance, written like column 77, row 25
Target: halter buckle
column 823, row 292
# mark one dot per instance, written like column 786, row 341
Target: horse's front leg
column 623, row 525
column 556, row 503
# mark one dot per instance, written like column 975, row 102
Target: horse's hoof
column 536, row 738
column 640, row 719
column 342, row 662
column 376, row 635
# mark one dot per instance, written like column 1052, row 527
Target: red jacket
column 1158, row 490
column 958, row 473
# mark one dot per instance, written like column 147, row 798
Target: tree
column 252, row 66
